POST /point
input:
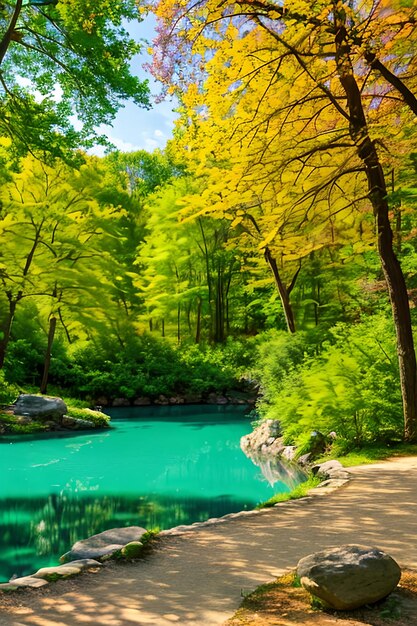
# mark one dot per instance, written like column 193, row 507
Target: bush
column 151, row 367
column 8, row 393
column 351, row 387
column 97, row 417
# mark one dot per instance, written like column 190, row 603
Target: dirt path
column 196, row 579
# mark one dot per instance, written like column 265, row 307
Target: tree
column 77, row 49
column 52, row 221
column 190, row 271
column 321, row 99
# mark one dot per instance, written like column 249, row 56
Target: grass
column 98, row 418
column 371, row 454
column 298, row 492
column 14, row 428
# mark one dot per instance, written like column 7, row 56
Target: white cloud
column 151, row 144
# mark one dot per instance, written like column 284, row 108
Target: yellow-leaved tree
column 299, row 110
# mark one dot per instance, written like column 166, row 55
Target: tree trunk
column 378, row 196
column 6, row 330
column 198, row 324
column 282, row 290
column 47, row 363
column 219, row 308
column 7, row 37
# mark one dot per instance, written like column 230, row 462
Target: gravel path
column 196, row 579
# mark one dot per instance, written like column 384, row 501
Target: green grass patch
column 98, row 418
column 371, row 454
column 12, row 426
column 298, row 492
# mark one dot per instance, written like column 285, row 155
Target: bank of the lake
column 156, row 468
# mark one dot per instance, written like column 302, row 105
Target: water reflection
column 278, row 470
column 37, row 531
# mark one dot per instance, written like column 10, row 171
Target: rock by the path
column 40, row 407
column 8, row 587
column 132, row 550
column 27, row 581
column 67, row 570
column 103, row 545
column 348, row 577
column 330, row 469
column 84, row 564
column 60, row 571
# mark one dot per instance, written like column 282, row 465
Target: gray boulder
column 348, row 577
column 39, row 407
column 103, row 545
column 328, row 469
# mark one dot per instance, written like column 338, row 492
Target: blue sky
column 135, row 128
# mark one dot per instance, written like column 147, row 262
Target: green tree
column 78, row 48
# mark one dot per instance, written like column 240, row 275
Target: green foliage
column 151, row 367
column 82, row 49
column 97, row 417
column 8, row 392
column 13, row 427
column 351, row 387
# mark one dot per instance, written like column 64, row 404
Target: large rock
column 40, row 407
column 265, row 440
column 26, row 581
column 348, row 577
column 330, row 469
column 66, row 571
column 103, row 545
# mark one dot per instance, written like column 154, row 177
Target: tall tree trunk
column 6, row 330
column 179, row 323
column 8, row 35
column 198, row 323
column 282, row 290
column 47, row 363
column 391, row 267
column 219, row 308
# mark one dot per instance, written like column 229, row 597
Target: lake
column 158, row 467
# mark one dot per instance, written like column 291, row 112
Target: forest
column 271, row 243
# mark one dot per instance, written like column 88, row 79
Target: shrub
column 8, row 392
column 97, row 417
column 351, row 387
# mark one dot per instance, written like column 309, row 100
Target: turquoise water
column 157, row 467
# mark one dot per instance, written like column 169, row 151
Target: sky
column 135, row 128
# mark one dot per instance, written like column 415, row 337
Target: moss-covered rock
column 132, row 550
